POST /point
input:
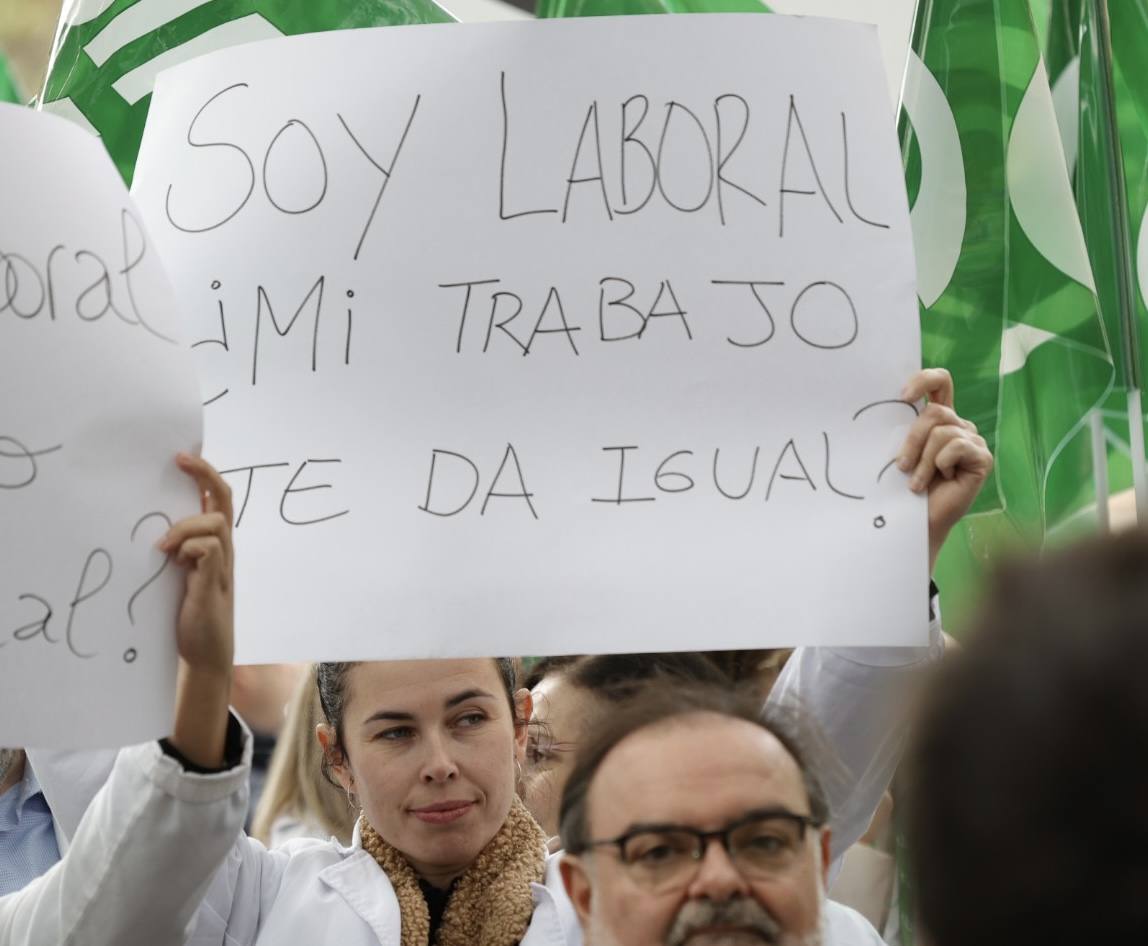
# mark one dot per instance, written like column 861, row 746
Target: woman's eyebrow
column 400, row 716
column 474, row 694
column 388, row 715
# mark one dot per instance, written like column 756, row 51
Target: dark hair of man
column 334, row 694
column 544, row 667
column 615, row 675
column 1028, row 814
column 659, row 703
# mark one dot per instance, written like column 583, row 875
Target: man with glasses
column 692, row 819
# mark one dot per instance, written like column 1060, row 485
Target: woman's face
column 563, row 714
column 429, row 751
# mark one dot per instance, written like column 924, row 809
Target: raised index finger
column 214, row 492
column 934, row 383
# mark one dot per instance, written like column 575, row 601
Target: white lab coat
column 858, row 701
column 74, row 777
column 319, row 892
column 322, row 892
column 139, row 861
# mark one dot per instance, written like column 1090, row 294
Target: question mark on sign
column 879, row 522
column 25, row 454
column 130, row 654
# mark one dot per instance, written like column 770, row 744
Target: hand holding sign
column 96, row 397
column 944, row 454
column 201, row 545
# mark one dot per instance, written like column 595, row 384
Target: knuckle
column 941, row 435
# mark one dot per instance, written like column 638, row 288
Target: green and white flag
column 561, row 8
column 1112, row 194
column 8, row 90
column 1007, row 297
column 107, row 52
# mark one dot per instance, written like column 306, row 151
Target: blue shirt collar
column 16, row 798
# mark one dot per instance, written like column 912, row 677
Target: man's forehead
column 701, row 770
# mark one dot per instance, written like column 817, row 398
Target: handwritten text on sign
column 96, row 396
column 542, row 337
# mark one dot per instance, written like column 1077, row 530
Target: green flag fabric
column 8, row 90
column 1062, row 46
column 565, row 8
column 107, row 52
column 1007, row 296
column 1112, row 193
column 1041, row 14
column 1062, row 54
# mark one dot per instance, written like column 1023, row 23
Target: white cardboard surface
column 97, row 394
column 322, row 201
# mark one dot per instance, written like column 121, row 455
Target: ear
column 334, row 756
column 826, row 835
column 523, row 710
column 576, row 880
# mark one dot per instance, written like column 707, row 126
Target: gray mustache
column 743, row 912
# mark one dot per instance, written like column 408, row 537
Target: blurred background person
column 297, row 801
column 572, row 696
column 1029, row 804
column 260, row 694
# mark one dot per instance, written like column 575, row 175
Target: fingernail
column 903, row 464
column 916, row 483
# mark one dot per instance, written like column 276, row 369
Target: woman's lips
column 443, row 812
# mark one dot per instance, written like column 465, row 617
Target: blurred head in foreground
column 692, row 818
column 1030, row 786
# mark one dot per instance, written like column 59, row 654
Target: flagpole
column 1136, row 446
column 1122, row 243
column 1099, row 467
column 922, row 15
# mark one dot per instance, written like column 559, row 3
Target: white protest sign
column 563, row 336
column 97, row 394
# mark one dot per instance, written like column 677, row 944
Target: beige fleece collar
column 492, row 903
